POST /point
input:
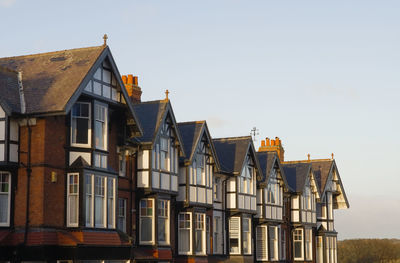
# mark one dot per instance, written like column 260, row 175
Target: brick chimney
column 132, row 87
column 271, row 145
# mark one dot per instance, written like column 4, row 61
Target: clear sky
column 321, row 75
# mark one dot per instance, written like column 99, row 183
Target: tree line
column 369, row 251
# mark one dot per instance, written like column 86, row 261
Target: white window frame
column 91, row 212
column 308, row 243
column 217, row 235
column 185, row 229
column 200, row 226
column 274, row 242
column 105, row 122
column 248, row 234
column 283, row 244
column 111, row 219
column 122, row 163
column 69, row 194
column 8, row 193
column 301, row 235
column 262, row 243
column 85, row 145
column 152, row 241
column 167, row 220
column 238, row 234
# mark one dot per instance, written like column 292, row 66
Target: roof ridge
column 150, row 102
column 53, row 52
column 234, row 138
column 306, row 161
column 191, row 122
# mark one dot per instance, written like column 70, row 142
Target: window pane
column 146, row 229
column 4, row 197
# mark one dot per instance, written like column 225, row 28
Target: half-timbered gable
column 332, row 197
column 239, row 162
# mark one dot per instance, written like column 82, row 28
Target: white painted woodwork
column 295, row 202
column 143, row 179
column 143, row 159
column 174, row 183
column 325, row 225
column 231, row 200
column 259, row 212
column 295, row 216
column 217, row 205
column 241, row 201
column 192, row 193
column 14, row 130
column 247, row 202
column 201, row 195
column 181, row 194
column 232, row 184
column 155, row 180
column 2, row 113
column 165, row 181
column 253, row 204
column 2, row 130
column 85, row 155
column 13, row 154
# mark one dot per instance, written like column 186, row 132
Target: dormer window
column 80, row 124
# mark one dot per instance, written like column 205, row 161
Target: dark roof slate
column 296, row 175
column 231, row 152
column 321, row 171
column 190, row 133
column 9, row 90
column 150, row 115
column 266, row 161
column 50, row 79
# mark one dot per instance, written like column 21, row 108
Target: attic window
column 80, row 124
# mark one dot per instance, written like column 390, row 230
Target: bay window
column 146, row 224
column 320, row 253
column 234, row 235
column 185, row 233
column 5, row 198
column 308, row 243
column 72, row 199
column 200, row 234
column 298, row 244
column 246, row 234
column 163, row 222
column 80, row 124
column 273, row 242
column 99, row 201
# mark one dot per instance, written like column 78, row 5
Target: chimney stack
column 271, row 145
column 132, row 87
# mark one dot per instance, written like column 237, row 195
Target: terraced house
column 91, row 173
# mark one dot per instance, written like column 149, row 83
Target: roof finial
column 105, row 37
column 332, row 156
column 166, row 95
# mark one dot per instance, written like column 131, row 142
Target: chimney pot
column 272, row 142
column 267, row 142
column 124, row 79
column 130, row 79
column 135, row 80
column 262, row 143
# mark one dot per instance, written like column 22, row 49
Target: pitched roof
column 9, row 90
column 232, row 152
column 321, row 169
column 266, row 161
column 190, row 133
column 296, row 175
column 150, row 115
column 51, row 79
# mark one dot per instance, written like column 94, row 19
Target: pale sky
column 323, row 76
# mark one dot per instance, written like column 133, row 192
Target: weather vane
column 254, row 132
